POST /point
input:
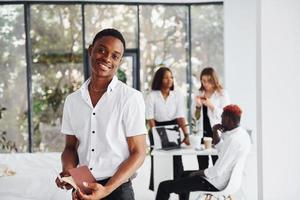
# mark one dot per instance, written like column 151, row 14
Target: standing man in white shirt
column 233, row 144
column 104, row 124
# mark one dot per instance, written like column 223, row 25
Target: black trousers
column 203, row 161
column 183, row 187
column 123, row 192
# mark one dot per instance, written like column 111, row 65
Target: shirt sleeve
column 224, row 162
column 149, row 106
column 134, row 116
column 66, row 127
column 180, row 107
column 215, row 116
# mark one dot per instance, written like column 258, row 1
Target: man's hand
column 69, row 160
column 216, row 137
column 75, row 196
column 218, row 127
column 62, row 184
column 98, row 191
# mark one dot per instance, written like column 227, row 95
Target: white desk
column 163, row 162
column 34, row 178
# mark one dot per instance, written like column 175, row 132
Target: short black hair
column 110, row 32
column 158, row 78
column 235, row 118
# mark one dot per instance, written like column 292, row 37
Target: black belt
column 165, row 123
column 104, row 181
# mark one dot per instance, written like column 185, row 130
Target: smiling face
column 105, row 56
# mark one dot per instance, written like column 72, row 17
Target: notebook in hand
column 78, row 176
column 166, row 137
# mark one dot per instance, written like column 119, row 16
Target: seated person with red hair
column 232, row 144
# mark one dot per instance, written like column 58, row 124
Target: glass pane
column 207, row 40
column 121, row 17
column 125, row 70
column 13, row 95
column 57, row 69
column 163, row 42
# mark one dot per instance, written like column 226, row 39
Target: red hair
column 234, row 109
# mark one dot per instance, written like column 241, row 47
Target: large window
column 13, row 90
column 163, row 42
column 57, row 70
column 183, row 37
column 121, row 17
column 207, row 40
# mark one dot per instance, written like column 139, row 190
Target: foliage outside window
column 207, row 41
column 57, row 71
column 13, row 96
column 163, row 42
column 57, row 64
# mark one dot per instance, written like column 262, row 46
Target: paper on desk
column 6, row 171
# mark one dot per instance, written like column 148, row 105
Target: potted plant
column 197, row 134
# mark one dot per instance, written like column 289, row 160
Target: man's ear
column 90, row 50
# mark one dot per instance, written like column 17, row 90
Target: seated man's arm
column 216, row 136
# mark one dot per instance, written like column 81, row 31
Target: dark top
column 207, row 130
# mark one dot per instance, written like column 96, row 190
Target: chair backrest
column 236, row 177
column 249, row 131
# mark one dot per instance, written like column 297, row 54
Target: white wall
column 240, row 75
column 280, row 88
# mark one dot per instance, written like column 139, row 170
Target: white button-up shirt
column 234, row 144
column 102, row 130
column 161, row 109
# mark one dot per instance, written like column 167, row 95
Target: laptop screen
column 166, row 137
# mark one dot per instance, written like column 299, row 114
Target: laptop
column 166, row 137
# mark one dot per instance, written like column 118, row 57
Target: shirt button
column 94, row 113
column 91, row 168
column 93, row 149
column 93, row 131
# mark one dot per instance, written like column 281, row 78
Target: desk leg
column 163, row 169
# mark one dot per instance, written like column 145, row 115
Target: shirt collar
column 229, row 133
column 112, row 85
